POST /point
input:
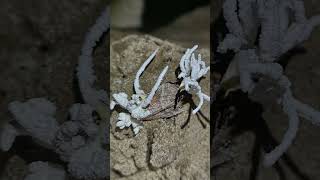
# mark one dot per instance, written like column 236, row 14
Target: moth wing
column 162, row 106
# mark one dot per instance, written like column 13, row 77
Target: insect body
column 137, row 106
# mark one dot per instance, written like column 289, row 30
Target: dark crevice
column 28, row 150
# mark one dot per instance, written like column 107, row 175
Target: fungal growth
column 80, row 141
column 278, row 32
column 192, row 69
column 137, row 105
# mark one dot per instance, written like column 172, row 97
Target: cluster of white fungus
column 192, row 69
column 279, row 33
column 137, row 105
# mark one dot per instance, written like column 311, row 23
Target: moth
column 166, row 103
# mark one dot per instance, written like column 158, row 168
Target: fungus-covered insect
column 143, row 107
column 140, row 106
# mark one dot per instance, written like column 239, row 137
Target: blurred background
column 40, row 42
column 301, row 161
column 183, row 22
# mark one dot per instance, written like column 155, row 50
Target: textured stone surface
column 165, row 145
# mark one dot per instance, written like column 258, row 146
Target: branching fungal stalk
column 192, row 69
column 279, row 33
column 137, row 106
column 85, row 70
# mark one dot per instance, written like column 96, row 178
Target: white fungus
column 279, row 34
column 77, row 141
column 192, row 69
column 85, row 70
column 137, row 105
